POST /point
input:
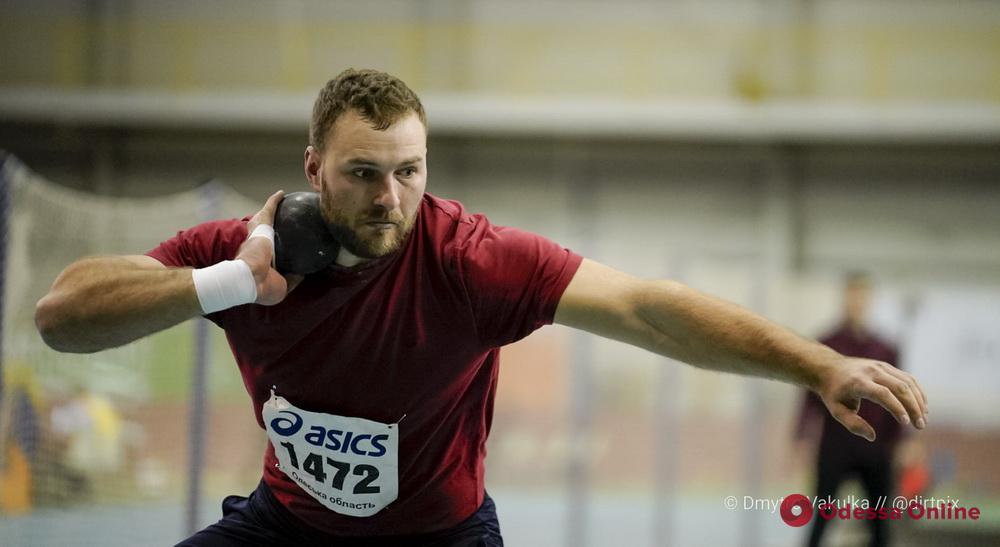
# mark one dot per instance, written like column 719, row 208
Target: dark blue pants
column 261, row 520
column 876, row 477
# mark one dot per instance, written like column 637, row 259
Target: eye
column 362, row 173
column 407, row 172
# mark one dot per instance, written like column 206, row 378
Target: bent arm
column 105, row 302
column 679, row 322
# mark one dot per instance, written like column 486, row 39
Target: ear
column 313, row 165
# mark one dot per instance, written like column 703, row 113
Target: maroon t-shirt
column 413, row 334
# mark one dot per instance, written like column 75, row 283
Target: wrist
column 265, row 231
column 224, row 285
column 821, row 368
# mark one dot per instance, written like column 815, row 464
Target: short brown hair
column 380, row 98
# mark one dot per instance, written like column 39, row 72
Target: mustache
column 375, row 216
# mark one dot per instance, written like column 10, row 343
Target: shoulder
column 471, row 237
column 217, row 235
column 203, row 244
column 835, row 336
column 449, row 223
column 228, row 229
column 887, row 350
column 445, row 211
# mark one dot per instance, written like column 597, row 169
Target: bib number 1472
column 318, row 466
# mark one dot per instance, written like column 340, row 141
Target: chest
column 376, row 348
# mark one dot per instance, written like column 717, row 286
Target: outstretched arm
column 103, row 302
column 676, row 321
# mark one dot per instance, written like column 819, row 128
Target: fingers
column 905, row 390
column 854, row 423
column 260, row 255
column 886, row 399
column 270, row 206
column 266, row 214
column 911, row 382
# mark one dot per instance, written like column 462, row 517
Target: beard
column 357, row 237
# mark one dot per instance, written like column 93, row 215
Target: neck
column 857, row 329
column 348, row 259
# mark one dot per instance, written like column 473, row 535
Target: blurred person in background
column 87, row 434
column 69, row 424
column 375, row 377
column 840, row 456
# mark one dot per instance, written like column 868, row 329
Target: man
column 375, row 378
column 840, row 454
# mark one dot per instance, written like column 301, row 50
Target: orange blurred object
column 914, row 480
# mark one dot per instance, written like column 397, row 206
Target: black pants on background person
column 875, row 474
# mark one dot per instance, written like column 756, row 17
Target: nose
column 387, row 193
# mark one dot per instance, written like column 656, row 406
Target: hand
column 258, row 253
column 852, row 379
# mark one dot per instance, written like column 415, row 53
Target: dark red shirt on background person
column 415, row 334
column 842, row 455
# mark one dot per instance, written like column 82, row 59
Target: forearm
column 100, row 303
column 710, row 333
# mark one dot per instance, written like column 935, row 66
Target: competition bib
column 348, row 464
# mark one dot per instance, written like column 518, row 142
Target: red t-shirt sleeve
column 202, row 245
column 514, row 279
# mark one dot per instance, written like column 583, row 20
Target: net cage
column 102, row 442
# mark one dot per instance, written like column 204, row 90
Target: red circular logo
column 793, row 517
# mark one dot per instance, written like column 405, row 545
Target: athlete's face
column 370, row 182
column 857, row 297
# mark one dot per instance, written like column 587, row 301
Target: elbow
column 665, row 315
column 46, row 320
column 54, row 327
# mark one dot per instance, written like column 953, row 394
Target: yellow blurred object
column 15, row 471
column 750, row 86
column 15, row 483
column 749, row 78
column 18, row 375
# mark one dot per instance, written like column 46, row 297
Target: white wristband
column 265, row 231
column 224, row 285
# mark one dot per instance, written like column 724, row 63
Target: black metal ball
column 302, row 242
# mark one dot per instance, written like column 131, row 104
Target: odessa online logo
column 286, row 426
